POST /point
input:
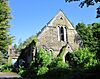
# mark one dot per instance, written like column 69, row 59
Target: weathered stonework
column 26, row 56
column 49, row 36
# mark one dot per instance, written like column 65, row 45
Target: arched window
column 61, row 34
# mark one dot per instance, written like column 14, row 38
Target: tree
column 23, row 44
column 15, row 46
column 5, row 38
column 96, row 35
column 88, row 3
column 1, row 58
column 85, row 33
column 90, row 35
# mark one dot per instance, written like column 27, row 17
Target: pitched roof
column 49, row 23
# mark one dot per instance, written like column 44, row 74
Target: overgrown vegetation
column 5, row 68
column 83, row 59
column 45, row 66
column 82, row 63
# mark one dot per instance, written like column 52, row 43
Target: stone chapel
column 59, row 33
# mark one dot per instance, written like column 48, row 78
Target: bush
column 42, row 70
column 43, row 57
column 83, row 58
column 5, row 68
column 58, row 63
column 39, row 66
column 22, row 71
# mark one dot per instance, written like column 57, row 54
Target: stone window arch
column 51, row 50
column 62, row 33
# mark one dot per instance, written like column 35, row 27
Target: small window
column 61, row 18
column 50, row 50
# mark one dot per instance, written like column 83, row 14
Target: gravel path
column 9, row 75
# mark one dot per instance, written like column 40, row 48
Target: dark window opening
column 61, row 18
column 67, row 57
column 62, row 33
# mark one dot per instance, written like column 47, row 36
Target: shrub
column 58, row 63
column 42, row 60
column 83, row 58
column 42, row 70
column 5, row 68
column 22, row 71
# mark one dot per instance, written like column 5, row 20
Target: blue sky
column 29, row 16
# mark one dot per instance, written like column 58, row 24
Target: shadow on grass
column 91, row 73
column 61, row 73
